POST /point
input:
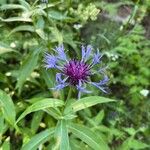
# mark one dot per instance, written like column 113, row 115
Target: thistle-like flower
column 74, row 72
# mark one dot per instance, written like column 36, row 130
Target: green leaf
column 54, row 113
column 130, row 131
column 3, row 124
column 131, row 143
column 38, row 139
column 62, row 140
column 40, row 105
column 27, row 67
column 25, row 4
column 43, row 6
column 57, row 15
column 12, row 6
column 88, row 136
column 12, row 19
column 89, row 101
column 23, row 28
column 4, row 48
column 8, row 107
column 3, row 78
column 137, row 144
column 48, row 76
column 37, row 117
column 6, row 144
column 57, row 35
column 99, row 117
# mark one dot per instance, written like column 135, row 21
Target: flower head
column 77, row 73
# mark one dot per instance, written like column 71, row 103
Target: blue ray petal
column 81, row 89
column 86, row 51
column 61, row 53
column 50, row 61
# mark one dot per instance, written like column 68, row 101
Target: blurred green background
column 119, row 28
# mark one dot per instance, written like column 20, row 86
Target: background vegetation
column 120, row 29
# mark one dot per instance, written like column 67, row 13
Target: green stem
column 131, row 16
column 69, row 93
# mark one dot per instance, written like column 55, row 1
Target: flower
column 74, row 72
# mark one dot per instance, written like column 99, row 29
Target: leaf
column 40, row 27
column 54, row 113
column 23, row 28
column 75, row 144
column 99, row 117
column 3, row 78
column 57, row 15
column 12, row 6
column 131, row 143
column 57, row 35
column 38, row 139
column 12, row 19
column 6, row 144
column 43, row 6
column 4, row 48
column 88, row 136
column 61, row 132
column 48, row 77
column 40, row 105
column 8, row 107
column 136, row 144
column 41, row 33
column 37, row 117
column 89, row 101
column 3, row 124
column 25, row 4
column 27, row 67
column 130, row 131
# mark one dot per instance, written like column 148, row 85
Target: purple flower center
column 77, row 71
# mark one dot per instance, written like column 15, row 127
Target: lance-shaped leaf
column 38, row 139
column 40, row 105
column 61, row 133
column 88, row 136
column 89, row 101
column 27, row 67
column 8, row 107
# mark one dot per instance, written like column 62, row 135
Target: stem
column 69, row 93
column 131, row 16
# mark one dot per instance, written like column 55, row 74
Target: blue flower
column 96, row 58
column 61, row 53
column 50, row 61
column 86, row 52
column 61, row 83
column 76, row 73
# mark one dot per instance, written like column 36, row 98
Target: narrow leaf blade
column 89, row 101
column 62, row 136
column 8, row 107
column 38, row 139
column 40, row 105
column 27, row 67
column 88, row 136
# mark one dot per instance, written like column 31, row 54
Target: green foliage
column 8, row 107
column 32, row 116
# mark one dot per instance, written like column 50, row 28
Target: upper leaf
column 89, row 101
column 40, row 105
